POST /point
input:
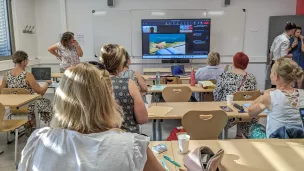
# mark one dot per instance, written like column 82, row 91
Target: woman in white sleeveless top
column 283, row 102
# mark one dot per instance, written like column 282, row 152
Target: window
column 5, row 29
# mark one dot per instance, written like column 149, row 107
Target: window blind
column 5, row 45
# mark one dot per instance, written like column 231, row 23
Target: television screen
column 175, row 38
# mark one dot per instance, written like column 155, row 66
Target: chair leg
column 16, row 146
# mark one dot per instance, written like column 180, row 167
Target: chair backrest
column 246, row 95
column 2, row 113
column 14, row 110
column 177, row 94
column 170, row 80
column 204, row 125
column 227, row 68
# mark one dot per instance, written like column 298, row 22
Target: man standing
column 281, row 44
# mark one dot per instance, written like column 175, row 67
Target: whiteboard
column 124, row 27
column 111, row 27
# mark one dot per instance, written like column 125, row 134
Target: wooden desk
column 194, row 89
column 244, row 116
column 168, row 153
column 149, row 80
column 181, row 108
column 20, row 100
column 252, row 155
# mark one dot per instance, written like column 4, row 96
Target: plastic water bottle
column 192, row 78
column 157, row 79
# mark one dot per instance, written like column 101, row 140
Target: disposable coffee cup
column 229, row 99
column 183, row 143
column 149, row 99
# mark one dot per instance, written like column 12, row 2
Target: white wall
column 23, row 15
column 50, row 22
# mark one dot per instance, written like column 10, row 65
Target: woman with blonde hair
column 126, row 92
column 283, row 102
column 83, row 133
column 210, row 72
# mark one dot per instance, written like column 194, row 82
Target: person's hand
column 76, row 44
column 301, row 37
column 294, row 44
column 49, row 82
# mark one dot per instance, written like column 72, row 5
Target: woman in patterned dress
column 125, row 90
column 236, row 80
column 19, row 78
column 67, row 51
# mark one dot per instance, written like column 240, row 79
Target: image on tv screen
column 174, row 38
column 167, row 44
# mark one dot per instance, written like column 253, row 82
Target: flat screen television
column 175, row 38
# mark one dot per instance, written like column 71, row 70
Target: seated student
column 19, row 78
column 125, row 90
column 210, row 72
column 134, row 75
column 284, row 101
column 83, row 134
column 236, row 80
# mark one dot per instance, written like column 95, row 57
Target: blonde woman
column 210, row 72
column 125, row 90
column 83, row 134
column 284, row 101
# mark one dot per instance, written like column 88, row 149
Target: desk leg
column 159, row 129
column 37, row 115
column 224, row 134
column 154, row 130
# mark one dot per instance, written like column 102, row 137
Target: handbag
column 203, row 159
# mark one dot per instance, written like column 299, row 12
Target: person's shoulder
column 250, row 75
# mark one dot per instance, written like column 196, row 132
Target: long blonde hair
column 288, row 70
column 84, row 101
column 113, row 56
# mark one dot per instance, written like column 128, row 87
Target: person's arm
column 285, row 49
column 218, row 91
column 152, row 164
column 299, row 82
column 35, row 86
column 260, row 104
column 302, row 42
column 141, row 82
column 78, row 49
column 140, row 111
column 3, row 85
column 52, row 49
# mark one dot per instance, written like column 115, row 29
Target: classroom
column 142, row 85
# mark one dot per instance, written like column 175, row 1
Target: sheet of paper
column 158, row 87
column 159, row 110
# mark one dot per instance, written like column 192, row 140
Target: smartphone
column 226, row 109
column 302, row 116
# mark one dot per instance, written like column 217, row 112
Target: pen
column 170, row 160
column 164, row 164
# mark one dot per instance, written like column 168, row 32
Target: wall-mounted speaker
column 227, row 2
column 111, row 3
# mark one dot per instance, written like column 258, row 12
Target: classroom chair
column 177, row 94
column 227, row 67
column 11, row 125
column 246, row 95
column 204, row 125
column 170, row 80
